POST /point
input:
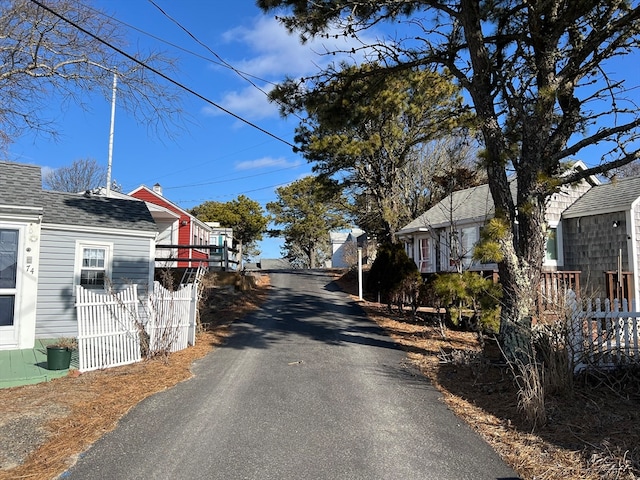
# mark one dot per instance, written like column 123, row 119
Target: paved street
column 306, row 388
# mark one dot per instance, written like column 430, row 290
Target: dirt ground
column 591, row 433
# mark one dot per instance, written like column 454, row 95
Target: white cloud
column 271, row 53
column 249, row 102
column 266, row 162
column 278, row 53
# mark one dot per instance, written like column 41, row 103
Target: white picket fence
column 108, row 330
column 111, row 326
column 603, row 333
column 172, row 320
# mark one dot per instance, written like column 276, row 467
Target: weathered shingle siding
column 559, row 202
column 56, row 315
column 592, row 246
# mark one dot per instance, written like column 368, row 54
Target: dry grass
column 592, row 434
column 44, row 427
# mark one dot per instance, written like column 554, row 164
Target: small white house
column 344, row 247
column 221, row 257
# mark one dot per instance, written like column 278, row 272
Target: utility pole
column 113, row 119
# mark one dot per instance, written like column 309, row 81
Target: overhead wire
column 232, row 179
column 162, row 75
column 223, row 63
column 230, row 194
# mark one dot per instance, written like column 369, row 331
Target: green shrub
column 394, row 276
column 472, row 301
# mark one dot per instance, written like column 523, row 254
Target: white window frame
column 425, row 263
column 466, row 248
column 81, row 246
column 14, row 291
column 559, row 262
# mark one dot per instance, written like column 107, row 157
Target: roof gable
column 473, row 203
column 21, row 186
column 148, row 195
column 615, row 196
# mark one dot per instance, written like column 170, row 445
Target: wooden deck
column 25, row 367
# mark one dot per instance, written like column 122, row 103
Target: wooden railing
column 619, row 288
column 553, row 288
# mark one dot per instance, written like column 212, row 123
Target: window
column 93, row 265
column 424, row 255
column 8, row 258
column 467, row 242
column 7, row 307
column 408, row 249
column 552, row 244
column 8, row 275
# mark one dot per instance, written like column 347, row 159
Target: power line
column 232, row 179
column 224, row 62
column 232, row 194
column 159, row 73
column 221, row 63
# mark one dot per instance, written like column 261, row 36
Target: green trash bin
column 58, row 358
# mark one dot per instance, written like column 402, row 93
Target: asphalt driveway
column 305, row 388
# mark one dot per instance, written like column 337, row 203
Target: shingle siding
column 592, row 246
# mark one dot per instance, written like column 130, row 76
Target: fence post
column 193, row 312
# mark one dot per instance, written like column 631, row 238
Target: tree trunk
column 519, row 272
column 312, row 256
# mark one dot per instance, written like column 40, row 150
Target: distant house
column 52, row 241
column 593, row 229
column 344, row 247
column 183, row 240
column 222, row 257
column 442, row 239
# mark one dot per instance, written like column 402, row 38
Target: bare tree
column 83, row 174
column 45, row 55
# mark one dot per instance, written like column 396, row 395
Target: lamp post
column 360, row 273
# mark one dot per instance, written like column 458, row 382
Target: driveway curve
column 305, row 388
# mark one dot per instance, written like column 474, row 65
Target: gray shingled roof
column 610, row 197
column 96, row 211
column 473, row 203
column 20, row 184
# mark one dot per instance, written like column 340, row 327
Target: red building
column 181, row 235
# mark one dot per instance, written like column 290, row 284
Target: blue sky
column 218, row 158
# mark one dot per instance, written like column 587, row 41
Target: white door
column 9, row 284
